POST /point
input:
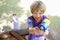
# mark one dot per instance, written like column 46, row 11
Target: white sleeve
column 15, row 20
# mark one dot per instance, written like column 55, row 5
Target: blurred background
column 21, row 8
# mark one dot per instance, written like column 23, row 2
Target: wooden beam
column 17, row 36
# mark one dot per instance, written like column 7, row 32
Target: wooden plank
column 17, row 36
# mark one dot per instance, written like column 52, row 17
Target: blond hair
column 38, row 5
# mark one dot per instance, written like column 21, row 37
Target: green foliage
column 55, row 22
column 10, row 5
column 28, row 13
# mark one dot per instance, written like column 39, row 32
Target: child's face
column 14, row 16
column 37, row 13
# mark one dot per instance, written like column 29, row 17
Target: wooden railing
column 14, row 35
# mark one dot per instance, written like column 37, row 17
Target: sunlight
column 51, row 5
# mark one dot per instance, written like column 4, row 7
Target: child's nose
column 38, row 15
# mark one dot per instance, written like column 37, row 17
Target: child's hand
column 36, row 28
column 35, row 31
column 32, row 30
column 42, row 27
column 38, row 31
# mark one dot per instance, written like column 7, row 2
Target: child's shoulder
column 30, row 17
column 45, row 17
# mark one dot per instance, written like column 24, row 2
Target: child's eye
column 40, row 13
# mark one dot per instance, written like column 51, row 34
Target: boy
column 16, row 22
column 38, row 24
